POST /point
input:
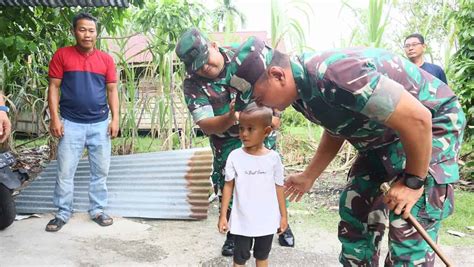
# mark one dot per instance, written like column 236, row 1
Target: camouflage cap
column 192, row 49
column 250, row 61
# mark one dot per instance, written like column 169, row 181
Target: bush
column 292, row 118
column 462, row 65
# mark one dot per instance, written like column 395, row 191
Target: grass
column 311, row 131
column 463, row 216
column 143, row 143
column 30, row 143
column 321, row 217
column 327, row 219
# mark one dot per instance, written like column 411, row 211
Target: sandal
column 55, row 225
column 103, row 219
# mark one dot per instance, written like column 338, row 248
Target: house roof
column 139, row 43
column 66, row 3
column 135, row 50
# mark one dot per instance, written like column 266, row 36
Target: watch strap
column 4, row 108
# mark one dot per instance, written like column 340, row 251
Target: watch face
column 414, row 182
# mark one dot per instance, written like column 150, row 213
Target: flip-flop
column 103, row 219
column 57, row 223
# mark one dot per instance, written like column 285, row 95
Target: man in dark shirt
column 415, row 49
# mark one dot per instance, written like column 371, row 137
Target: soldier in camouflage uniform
column 404, row 123
column 210, row 100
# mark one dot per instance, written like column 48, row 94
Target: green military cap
column 192, row 49
column 250, row 61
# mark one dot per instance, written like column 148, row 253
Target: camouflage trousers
column 221, row 149
column 364, row 217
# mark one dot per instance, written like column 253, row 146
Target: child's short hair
column 264, row 113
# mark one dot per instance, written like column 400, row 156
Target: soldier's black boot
column 228, row 247
column 287, row 239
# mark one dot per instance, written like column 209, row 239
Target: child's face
column 252, row 131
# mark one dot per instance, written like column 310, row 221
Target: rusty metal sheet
column 165, row 185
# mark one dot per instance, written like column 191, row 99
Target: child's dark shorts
column 243, row 244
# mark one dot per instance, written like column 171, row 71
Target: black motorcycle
column 9, row 181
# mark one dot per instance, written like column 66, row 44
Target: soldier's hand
column 233, row 115
column 5, row 126
column 401, row 199
column 296, row 185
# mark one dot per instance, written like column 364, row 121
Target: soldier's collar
column 300, row 77
column 227, row 54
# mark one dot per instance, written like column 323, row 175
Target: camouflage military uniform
column 351, row 93
column 208, row 98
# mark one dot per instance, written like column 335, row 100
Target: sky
column 327, row 27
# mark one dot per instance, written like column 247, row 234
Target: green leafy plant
column 225, row 16
column 373, row 21
column 462, row 67
column 284, row 26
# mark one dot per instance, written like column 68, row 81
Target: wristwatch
column 413, row 181
column 4, row 108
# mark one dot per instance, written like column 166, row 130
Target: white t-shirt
column 255, row 210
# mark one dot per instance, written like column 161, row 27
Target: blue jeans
column 77, row 136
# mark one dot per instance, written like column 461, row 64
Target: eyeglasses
column 407, row 46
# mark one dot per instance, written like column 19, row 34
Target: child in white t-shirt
column 255, row 176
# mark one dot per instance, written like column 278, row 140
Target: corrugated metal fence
column 166, row 185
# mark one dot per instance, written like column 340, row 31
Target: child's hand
column 283, row 226
column 222, row 225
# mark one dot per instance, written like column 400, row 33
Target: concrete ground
column 133, row 242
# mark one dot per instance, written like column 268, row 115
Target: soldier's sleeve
column 242, row 100
column 355, row 84
column 197, row 100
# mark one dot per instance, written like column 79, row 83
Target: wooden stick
column 385, row 187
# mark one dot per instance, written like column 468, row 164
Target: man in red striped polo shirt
column 82, row 88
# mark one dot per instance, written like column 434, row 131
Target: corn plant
column 372, row 23
column 285, row 27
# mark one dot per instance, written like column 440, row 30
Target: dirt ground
column 132, row 242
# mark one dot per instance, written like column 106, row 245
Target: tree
column 226, row 15
column 462, row 65
column 430, row 18
column 163, row 22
